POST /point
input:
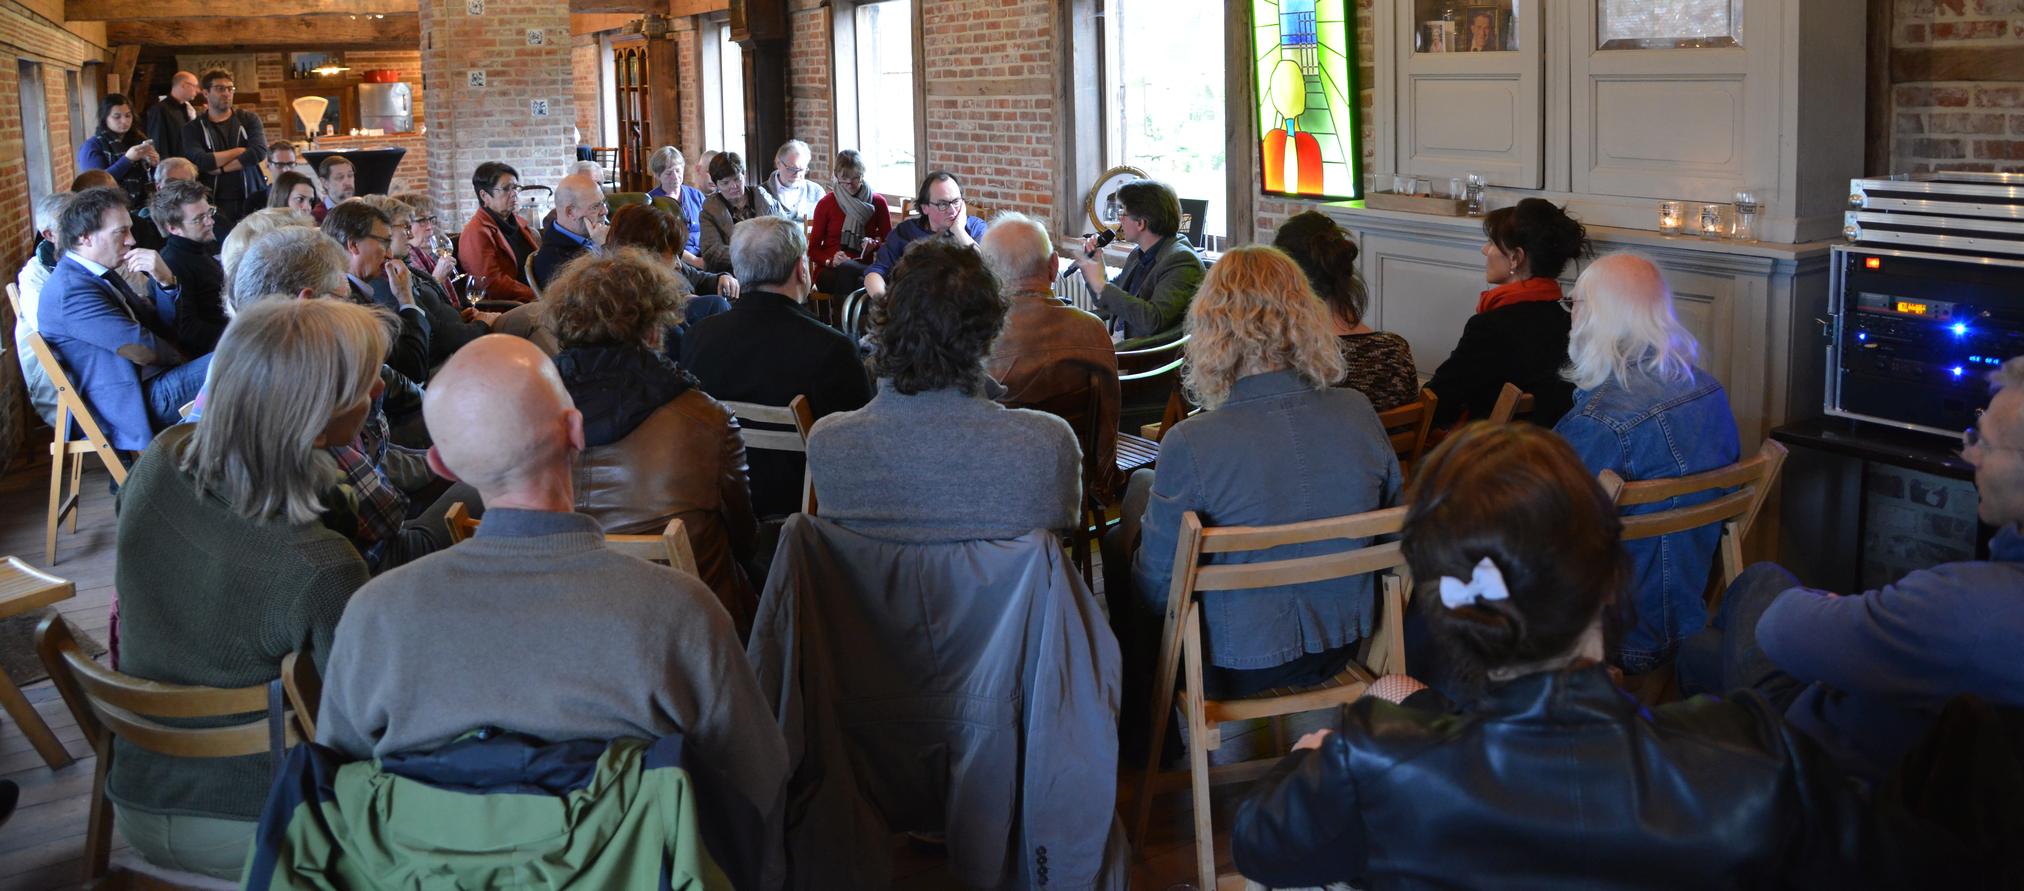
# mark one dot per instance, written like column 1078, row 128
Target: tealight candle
column 1670, row 213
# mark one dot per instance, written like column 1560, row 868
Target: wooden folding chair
column 65, row 453
column 1745, row 485
column 24, row 588
column 1181, row 648
column 108, row 704
column 1511, row 403
column 670, row 547
column 786, row 430
column 304, row 688
column 527, row 269
column 1408, row 426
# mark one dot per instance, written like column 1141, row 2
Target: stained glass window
column 1307, row 114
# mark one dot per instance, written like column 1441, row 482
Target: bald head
column 1019, row 252
column 578, row 199
column 183, row 86
column 502, row 421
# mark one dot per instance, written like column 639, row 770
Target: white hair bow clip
column 1485, row 583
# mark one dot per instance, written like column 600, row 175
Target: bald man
column 171, row 113
column 533, row 626
column 579, row 226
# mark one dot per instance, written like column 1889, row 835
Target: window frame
column 37, row 153
column 716, row 34
column 844, row 94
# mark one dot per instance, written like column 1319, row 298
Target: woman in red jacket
column 850, row 223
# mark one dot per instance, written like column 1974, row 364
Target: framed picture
column 1482, row 30
column 1309, row 134
column 1102, row 204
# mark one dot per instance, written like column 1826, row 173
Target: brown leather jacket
column 1046, row 352
column 686, row 461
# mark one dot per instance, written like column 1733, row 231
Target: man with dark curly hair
column 932, row 457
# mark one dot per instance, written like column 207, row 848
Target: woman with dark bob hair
column 1519, row 332
column 661, row 232
column 1378, row 363
column 1551, row 777
column 734, row 202
column 931, row 457
column 292, row 189
column 656, row 447
column 119, row 148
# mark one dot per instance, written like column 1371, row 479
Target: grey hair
column 848, row 161
column 283, row 370
column 1625, row 325
column 285, row 262
column 1025, row 254
column 2009, row 374
column 393, row 207
column 590, row 168
column 419, row 202
column 765, row 248
column 48, row 211
column 663, row 158
column 793, row 145
column 170, row 165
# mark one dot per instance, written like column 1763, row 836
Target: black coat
column 409, row 353
column 165, row 121
column 1557, row 780
column 1524, row 344
column 768, row 349
column 200, row 308
column 557, row 249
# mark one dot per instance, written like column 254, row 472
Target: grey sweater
column 944, row 466
column 535, row 626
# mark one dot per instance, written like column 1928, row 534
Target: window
column 877, row 106
column 724, row 94
column 35, row 132
column 1162, row 117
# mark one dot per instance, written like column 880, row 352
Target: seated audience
column 496, row 243
column 734, row 202
column 1642, row 408
column 850, row 223
column 667, row 168
column 377, row 279
column 1380, row 363
column 655, row 447
column 1261, row 364
column 450, row 326
column 119, row 347
column 1048, row 350
column 579, row 227
column 789, row 183
column 658, row 231
column 1519, row 332
column 943, row 216
column 533, row 626
column 769, row 349
column 1866, row 674
column 34, row 272
column 931, row 457
column 184, row 213
column 1552, row 777
column 225, row 564
column 340, row 183
column 294, row 189
column 255, row 226
column 423, row 250
column 1148, row 301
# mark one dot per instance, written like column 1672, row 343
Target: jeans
column 169, row 391
column 1724, row 656
column 210, row 846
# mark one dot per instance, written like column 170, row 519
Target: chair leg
column 1163, row 706
column 98, row 827
column 76, row 489
column 57, row 461
column 32, row 725
column 1198, row 756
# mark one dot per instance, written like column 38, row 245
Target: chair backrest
column 1511, row 403
column 670, row 547
column 786, row 430
column 855, row 316
column 304, row 688
column 1134, row 361
column 527, row 270
column 107, row 702
column 1750, row 478
column 1178, row 409
column 1191, row 576
column 70, row 406
column 14, row 301
column 1151, row 385
column 1408, row 426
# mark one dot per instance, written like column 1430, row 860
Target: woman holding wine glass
column 429, row 250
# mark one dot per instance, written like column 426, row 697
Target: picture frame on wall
column 1309, row 127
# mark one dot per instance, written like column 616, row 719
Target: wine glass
column 443, row 245
column 475, row 293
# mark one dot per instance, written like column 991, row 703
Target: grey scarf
column 856, row 212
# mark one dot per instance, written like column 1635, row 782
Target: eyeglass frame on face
column 515, row 188
column 418, row 221
column 944, row 206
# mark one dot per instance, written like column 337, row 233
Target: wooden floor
column 42, row 846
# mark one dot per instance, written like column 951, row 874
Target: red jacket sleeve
column 483, row 251
column 828, row 234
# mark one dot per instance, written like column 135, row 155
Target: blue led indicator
column 1958, row 371
column 1960, row 329
column 1862, row 335
column 1974, row 358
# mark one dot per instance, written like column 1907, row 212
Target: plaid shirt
column 379, row 505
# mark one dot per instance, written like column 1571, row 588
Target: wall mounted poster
column 1309, row 135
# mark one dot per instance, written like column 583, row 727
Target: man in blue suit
column 119, row 346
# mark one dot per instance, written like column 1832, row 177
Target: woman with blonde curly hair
column 1276, row 444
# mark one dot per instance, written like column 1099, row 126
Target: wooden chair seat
column 670, row 547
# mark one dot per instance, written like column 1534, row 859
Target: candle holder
column 1712, row 227
column 1672, row 217
column 1744, row 225
column 1472, row 188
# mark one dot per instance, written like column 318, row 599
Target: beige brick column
column 520, row 112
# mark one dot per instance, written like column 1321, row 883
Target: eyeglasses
column 506, row 189
column 385, row 240
column 851, row 180
column 945, row 206
column 797, row 171
column 420, row 221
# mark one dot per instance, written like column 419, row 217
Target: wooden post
column 120, row 78
column 760, row 27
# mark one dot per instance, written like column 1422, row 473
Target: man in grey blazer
column 1148, row 300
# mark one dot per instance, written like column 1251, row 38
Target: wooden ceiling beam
column 634, row 8
column 395, row 31
column 145, row 10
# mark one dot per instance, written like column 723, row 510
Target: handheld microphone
column 1103, row 237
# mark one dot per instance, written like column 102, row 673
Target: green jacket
column 496, row 810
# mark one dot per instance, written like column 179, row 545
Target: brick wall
column 808, row 117
column 1958, row 125
column 62, row 153
column 990, row 107
column 495, row 122
column 688, row 38
column 583, row 71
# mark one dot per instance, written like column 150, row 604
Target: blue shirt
column 692, row 214
column 907, row 233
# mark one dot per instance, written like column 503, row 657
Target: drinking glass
column 1473, row 185
column 1743, row 226
column 475, row 293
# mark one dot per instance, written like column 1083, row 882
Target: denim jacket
column 1657, row 429
column 1279, row 451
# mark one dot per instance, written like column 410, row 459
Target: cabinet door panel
column 1472, row 112
column 1423, row 291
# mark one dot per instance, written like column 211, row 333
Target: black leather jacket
column 1558, row 780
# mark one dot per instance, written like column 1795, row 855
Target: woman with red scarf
column 1519, row 332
